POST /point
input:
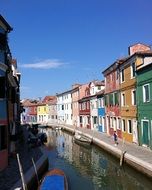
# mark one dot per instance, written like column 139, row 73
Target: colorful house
column 95, row 86
column 101, row 111
column 9, row 97
column 112, row 100
column 75, row 105
column 29, row 113
column 84, row 110
column 144, row 99
column 64, row 107
column 32, row 112
column 52, row 104
column 128, row 92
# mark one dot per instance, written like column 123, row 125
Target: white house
column 95, row 87
column 64, row 107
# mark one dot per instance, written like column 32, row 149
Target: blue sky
column 61, row 42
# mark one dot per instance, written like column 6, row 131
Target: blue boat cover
column 53, row 182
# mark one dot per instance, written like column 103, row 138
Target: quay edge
column 136, row 163
column 30, row 176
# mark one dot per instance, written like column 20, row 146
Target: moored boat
column 82, row 140
column 54, row 179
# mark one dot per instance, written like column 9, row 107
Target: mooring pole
column 21, row 173
column 122, row 153
column 35, row 169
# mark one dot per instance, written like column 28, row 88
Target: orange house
column 128, row 94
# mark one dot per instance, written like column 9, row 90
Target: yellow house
column 128, row 94
column 42, row 113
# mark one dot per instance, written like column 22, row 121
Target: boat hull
column 57, row 173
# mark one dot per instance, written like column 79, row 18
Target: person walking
column 115, row 138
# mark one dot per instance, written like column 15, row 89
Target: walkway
column 138, row 157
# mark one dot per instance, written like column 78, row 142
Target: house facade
column 9, row 97
column 101, row 111
column 128, row 92
column 42, row 113
column 84, row 110
column 4, row 68
column 52, row 118
column 144, row 100
column 64, row 107
column 32, row 113
column 75, row 105
column 112, row 99
column 95, row 86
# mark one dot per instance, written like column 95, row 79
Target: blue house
column 4, row 68
column 101, row 111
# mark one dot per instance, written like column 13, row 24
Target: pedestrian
column 115, row 138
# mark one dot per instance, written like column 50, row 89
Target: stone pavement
column 136, row 156
column 11, row 175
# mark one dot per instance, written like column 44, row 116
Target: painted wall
column 144, row 76
column 128, row 111
column 112, row 107
column 75, row 107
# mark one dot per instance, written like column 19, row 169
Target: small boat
column 54, row 180
column 82, row 140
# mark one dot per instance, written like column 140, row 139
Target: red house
column 84, row 110
column 112, row 98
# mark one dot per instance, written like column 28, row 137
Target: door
column 135, row 132
column 145, row 134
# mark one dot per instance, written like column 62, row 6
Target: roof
column 140, row 53
column 9, row 28
column 62, row 93
column 28, row 103
column 97, row 83
column 48, row 99
column 100, row 92
column 114, row 65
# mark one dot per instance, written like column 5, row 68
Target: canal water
column 90, row 168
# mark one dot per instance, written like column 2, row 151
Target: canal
column 90, row 168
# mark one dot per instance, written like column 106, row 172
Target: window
column 146, row 93
column 100, row 103
column 62, row 107
column 117, row 74
column 111, row 122
column 2, row 87
column 100, row 120
column 80, row 119
column 88, row 120
column 95, row 120
column 123, row 125
column 122, row 75
column 129, row 126
column 123, row 99
column 3, row 40
column 106, row 100
column 133, row 97
column 3, row 138
column 116, row 99
column 133, row 70
column 111, row 99
column 114, row 123
column 118, row 123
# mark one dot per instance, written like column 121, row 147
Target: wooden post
column 36, row 172
column 21, row 173
column 122, row 153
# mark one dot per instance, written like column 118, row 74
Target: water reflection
column 90, row 168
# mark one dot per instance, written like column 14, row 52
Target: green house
column 144, row 104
